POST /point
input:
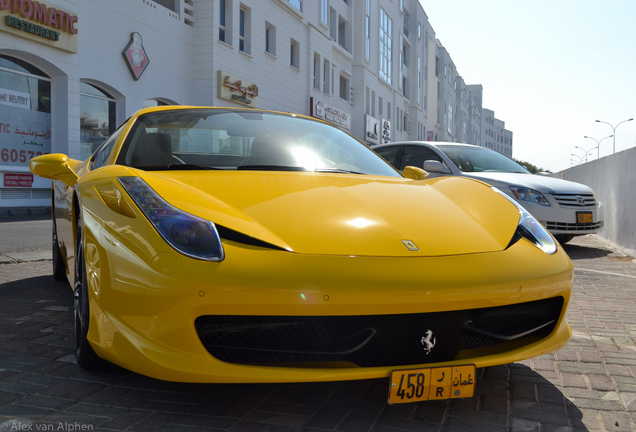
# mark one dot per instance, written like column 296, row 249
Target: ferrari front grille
column 374, row 340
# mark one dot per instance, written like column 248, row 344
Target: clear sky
column 549, row 69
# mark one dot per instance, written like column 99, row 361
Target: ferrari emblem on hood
column 410, row 245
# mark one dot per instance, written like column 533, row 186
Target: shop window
column 20, row 76
column 97, row 118
column 25, row 112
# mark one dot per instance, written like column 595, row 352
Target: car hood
column 543, row 184
column 357, row 215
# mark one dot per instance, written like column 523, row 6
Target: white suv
column 565, row 208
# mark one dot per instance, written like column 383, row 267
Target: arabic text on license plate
column 414, row 385
column 584, row 217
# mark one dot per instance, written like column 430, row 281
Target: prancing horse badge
column 410, row 245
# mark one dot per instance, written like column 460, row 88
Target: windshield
column 245, row 140
column 480, row 159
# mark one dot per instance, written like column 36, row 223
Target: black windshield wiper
column 337, row 170
column 270, row 168
column 175, row 166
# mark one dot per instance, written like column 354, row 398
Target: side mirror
column 54, row 166
column 436, row 167
column 414, row 173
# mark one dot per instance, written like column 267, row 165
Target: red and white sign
column 18, row 180
column 135, row 55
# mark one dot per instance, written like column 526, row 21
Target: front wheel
column 59, row 266
column 86, row 356
column 563, row 238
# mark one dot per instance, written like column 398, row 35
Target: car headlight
column 530, row 195
column 531, row 229
column 188, row 234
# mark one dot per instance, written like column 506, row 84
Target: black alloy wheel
column 59, row 266
column 86, row 356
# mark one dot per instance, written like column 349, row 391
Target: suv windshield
column 207, row 138
column 479, row 159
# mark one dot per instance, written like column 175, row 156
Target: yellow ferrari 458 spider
column 237, row 245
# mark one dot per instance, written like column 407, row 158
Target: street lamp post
column 587, row 152
column 598, row 144
column 580, row 158
column 614, row 130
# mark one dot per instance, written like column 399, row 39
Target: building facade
column 72, row 70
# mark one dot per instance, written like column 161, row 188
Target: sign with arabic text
column 330, row 113
column 237, row 90
column 24, row 134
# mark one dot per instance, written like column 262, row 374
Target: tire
column 59, row 266
column 563, row 238
column 86, row 357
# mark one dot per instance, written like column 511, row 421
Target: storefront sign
column 372, row 129
column 330, row 113
column 39, row 22
column 24, row 134
column 237, row 90
column 135, row 56
column 15, row 98
column 18, row 180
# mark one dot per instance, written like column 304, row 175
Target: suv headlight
column 531, row 229
column 188, row 234
column 529, row 195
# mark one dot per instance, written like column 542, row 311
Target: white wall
column 613, row 178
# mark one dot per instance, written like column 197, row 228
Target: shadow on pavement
column 577, row 251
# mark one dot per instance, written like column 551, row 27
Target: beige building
column 72, row 70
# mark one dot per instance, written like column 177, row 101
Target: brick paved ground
column 590, row 385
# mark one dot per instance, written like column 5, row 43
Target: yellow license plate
column 415, row 385
column 584, row 217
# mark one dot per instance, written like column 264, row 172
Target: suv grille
column 574, row 227
column 373, row 340
column 575, row 200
